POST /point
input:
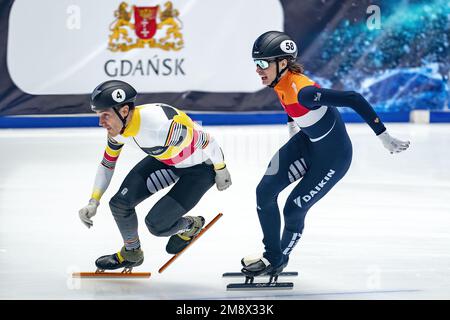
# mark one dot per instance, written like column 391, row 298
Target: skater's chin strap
column 279, row 73
column 124, row 120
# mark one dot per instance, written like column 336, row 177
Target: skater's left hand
column 392, row 144
column 223, row 178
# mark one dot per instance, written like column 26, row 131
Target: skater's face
column 267, row 69
column 109, row 120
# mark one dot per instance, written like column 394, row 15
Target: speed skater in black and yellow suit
column 317, row 155
column 180, row 153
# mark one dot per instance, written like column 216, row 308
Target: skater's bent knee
column 156, row 226
column 120, row 206
column 154, row 229
column 265, row 192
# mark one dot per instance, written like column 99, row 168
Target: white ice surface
column 383, row 232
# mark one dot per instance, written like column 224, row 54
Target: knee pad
column 120, row 206
column 163, row 218
column 153, row 226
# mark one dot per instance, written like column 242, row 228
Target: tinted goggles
column 263, row 64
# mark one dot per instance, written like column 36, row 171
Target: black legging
column 148, row 177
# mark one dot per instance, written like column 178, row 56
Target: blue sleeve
column 313, row 97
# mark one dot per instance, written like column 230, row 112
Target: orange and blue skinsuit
column 319, row 156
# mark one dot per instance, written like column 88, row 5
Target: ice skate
column 179, row 241
column 257, row 266
column 123, row 259
column 282, row 274
column 127, row 259
column 186, row 244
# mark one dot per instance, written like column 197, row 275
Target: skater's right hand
column 87, row 212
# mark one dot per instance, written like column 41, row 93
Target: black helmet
column 274, row 45
column 112, row 94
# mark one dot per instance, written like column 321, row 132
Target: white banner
column 70, row 46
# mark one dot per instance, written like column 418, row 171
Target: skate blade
column 260, row 286
column 240, row 274
column 113, row 275
column 204, row 229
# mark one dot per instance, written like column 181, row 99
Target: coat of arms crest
column 147, row 21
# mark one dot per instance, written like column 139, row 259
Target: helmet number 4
column 118, row 95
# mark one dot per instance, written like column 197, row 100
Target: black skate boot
column 254, row 266
column 258, row 266
column 127, row 259
column 179, row 241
